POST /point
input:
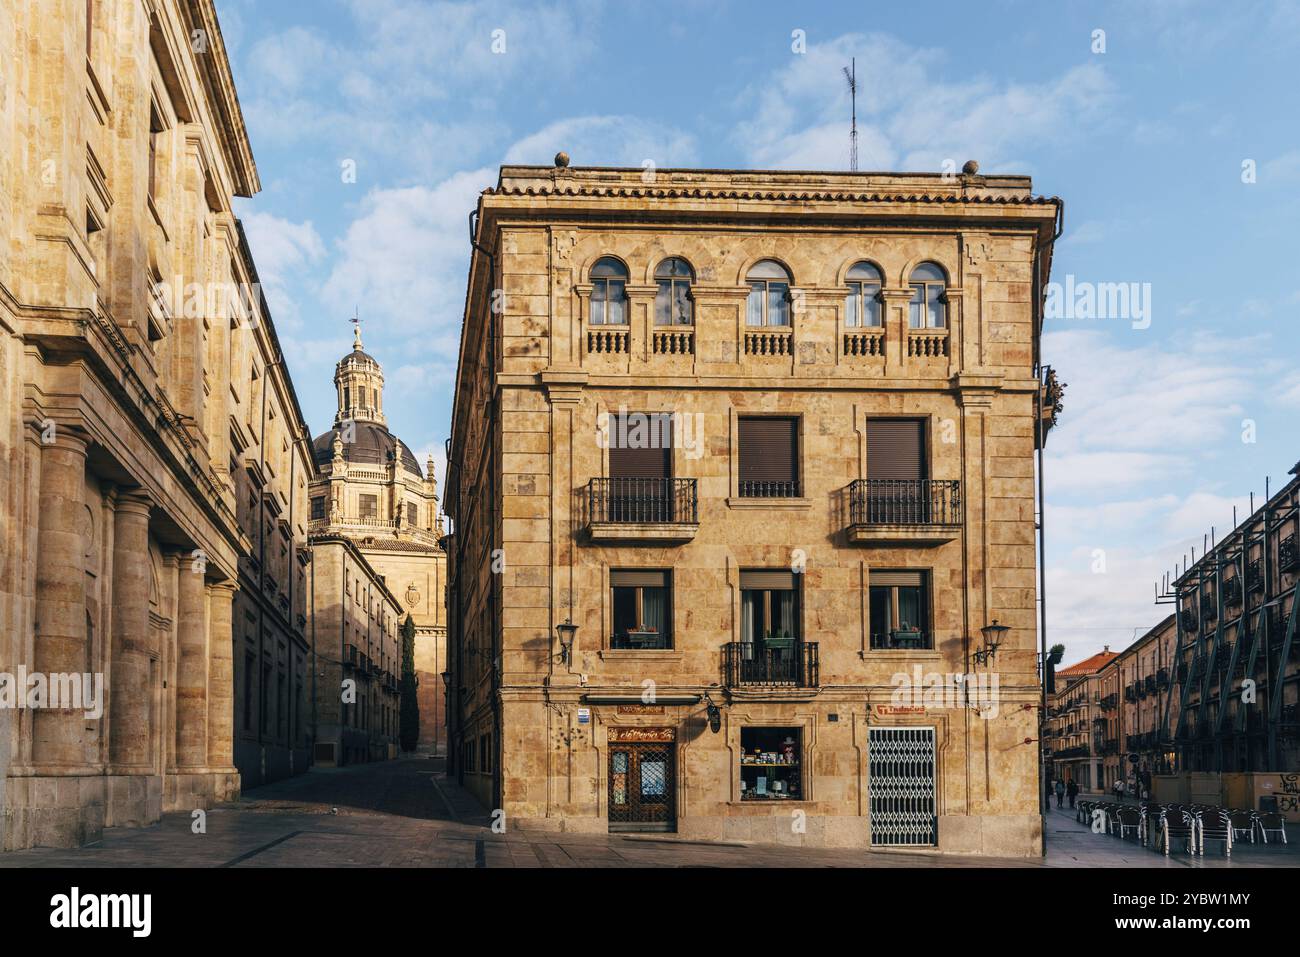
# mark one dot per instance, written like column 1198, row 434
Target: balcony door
column 641, row 468
column 896, row 472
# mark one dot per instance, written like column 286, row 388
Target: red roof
column 1089, row 665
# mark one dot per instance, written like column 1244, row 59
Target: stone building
column 357, row 656
column 370, row 491
column 1134, row 703
column 1073, row 724
column 741, row 471
column 139, row 374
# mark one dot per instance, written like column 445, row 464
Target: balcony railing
column 769, row 489
column 642, row 509
column 792, row 664
column 1288, row 554
column 904, row 511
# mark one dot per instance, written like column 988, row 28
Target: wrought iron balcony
column 1189, row 620
column 1288, row 554
column 650, row 510
column 769, row 489
column 922, row 512
column 792, row 664
column 1255, row 575
column 1232, row 591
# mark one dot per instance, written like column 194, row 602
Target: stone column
column 58, row 736
column 191, row 667
column 130, row 706
column 221, row 677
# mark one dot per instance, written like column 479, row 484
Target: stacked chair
column 1181, row 827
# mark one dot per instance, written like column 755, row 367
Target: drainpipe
column 1042, row 518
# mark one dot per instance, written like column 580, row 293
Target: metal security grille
column 901, row 786
column 642, row 787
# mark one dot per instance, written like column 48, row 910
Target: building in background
column 736, row 456
column 144, row 483
column 1134, row 689
column 1074, row 725
column 357, row 660
column 370, row 491
column 1235, row 703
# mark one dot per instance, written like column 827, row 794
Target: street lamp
column 565, row 630
column 714, row 714
column 993, row 635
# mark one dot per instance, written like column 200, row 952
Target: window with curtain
column 927, row 307
column 900, row 610
column 862, row 303
column 642, row 604
column 673, row 298
column 608, row 292
column 769, row 295
column 769, row 607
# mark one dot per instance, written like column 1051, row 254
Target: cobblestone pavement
column 407, row 814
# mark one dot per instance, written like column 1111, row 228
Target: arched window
column 927, row 309
column 862, row 304
column 673, row 300
column 769, row 295
column 608, row 296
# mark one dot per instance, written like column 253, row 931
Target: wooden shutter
column 913, row 579
column 759, row 578
column 637, row 577
column 769, row 450
column 652, row 461
column 896, row 449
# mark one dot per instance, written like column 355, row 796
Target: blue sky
column 1145, row 141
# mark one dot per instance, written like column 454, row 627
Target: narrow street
column 407, row 814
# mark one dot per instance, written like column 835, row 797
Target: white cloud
column 1122, row 402
column 283, row 251
column 908, row 118
column 403, row 260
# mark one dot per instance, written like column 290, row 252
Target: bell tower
column 359, row 384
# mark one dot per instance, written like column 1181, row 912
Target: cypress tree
column 410, row 728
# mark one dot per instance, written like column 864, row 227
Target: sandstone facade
column 152, row 503
column 550, row 735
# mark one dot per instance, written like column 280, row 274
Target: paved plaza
column 407, row 814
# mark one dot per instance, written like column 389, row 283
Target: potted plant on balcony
column 782, row 642
column 643, row 636
column 905, row 636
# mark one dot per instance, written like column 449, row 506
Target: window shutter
column 915, row 579
column 780, row 580
column 896, row 449
column 769, row 450
column 653, row 460
column 636, row 577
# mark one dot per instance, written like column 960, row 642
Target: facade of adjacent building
column 142, row 476
column 766, row 439
column 1134, row 688
column 370, row 491
column 356, row 644
column 1074, row 722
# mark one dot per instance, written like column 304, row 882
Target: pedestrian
column 1060, row 792
column 1072, row 791
column 1119, row 789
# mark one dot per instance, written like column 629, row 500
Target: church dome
column 373, row 445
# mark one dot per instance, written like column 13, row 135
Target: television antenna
column 851, row 76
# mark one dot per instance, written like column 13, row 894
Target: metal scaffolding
column 1236, row 643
